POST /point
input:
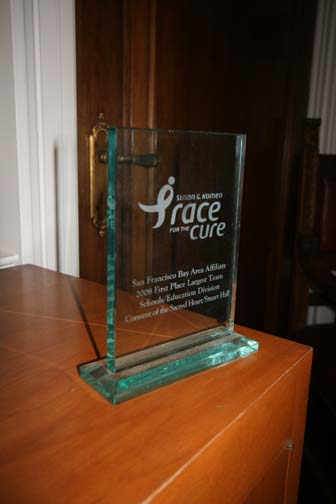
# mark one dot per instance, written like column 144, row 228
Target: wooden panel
column 64, row 443
column 220, row 70
column 99, row 89
column 115, row 75
column 234, row 467
column 305, row 220
column 139, row 60
column 139, row 50
column 327, row 201
column 271, row 488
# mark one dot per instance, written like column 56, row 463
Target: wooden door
column 220, row 66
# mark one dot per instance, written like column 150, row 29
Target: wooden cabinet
column 232, row 434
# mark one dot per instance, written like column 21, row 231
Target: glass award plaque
column 173, row 219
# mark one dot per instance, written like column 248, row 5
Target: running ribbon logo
column 200, row 217
column 165, row 197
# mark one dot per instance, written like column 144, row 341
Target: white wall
column 44, row 62
column 9, row 189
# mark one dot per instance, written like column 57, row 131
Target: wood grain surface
column 219, row 436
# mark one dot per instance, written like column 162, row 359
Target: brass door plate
column 98, row 174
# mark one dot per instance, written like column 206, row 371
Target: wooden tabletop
column 62, row 442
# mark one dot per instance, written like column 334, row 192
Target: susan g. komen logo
column 200, row 218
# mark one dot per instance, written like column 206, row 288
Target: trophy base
column 154, row 367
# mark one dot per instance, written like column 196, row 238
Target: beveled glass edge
column 111, row 248
column 177, row 131
column 116, row 387
column 239, row 164
column 171, row 347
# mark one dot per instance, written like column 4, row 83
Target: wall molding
column 44, row 57
column 22, row 128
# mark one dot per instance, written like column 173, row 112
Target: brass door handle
column 98, row 174
column 98, row 171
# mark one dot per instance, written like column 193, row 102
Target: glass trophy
column 173, row 219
